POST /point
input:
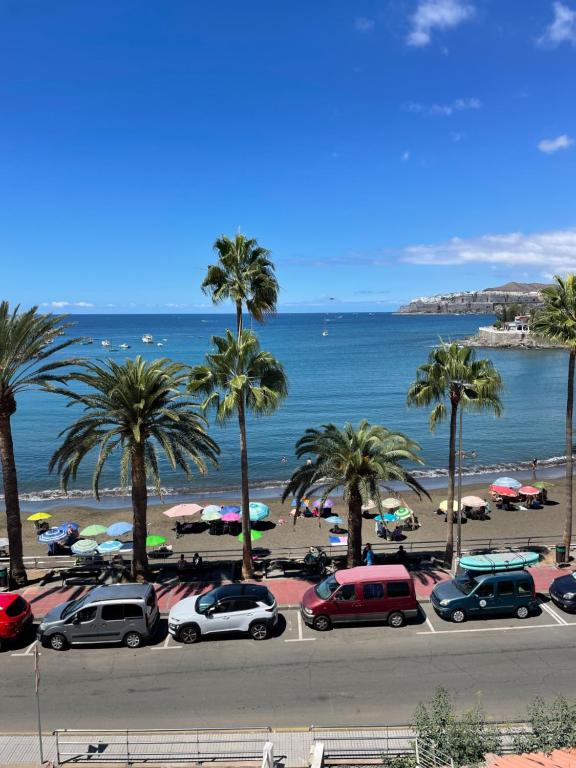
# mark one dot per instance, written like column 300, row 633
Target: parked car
column 487, row 594
column 563, row 591
column 118, row 613
column 367, row 593
column 231, row 608
column 15, row 617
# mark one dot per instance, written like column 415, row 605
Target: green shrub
column 552, row 726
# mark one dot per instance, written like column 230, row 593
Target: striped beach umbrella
column 84, row 546
column 403, row 513
column 52, row 534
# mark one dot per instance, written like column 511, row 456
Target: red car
column 15, row 616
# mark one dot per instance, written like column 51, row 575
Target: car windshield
column 327, row 587
column 466, row 586
column 205, row 601
column 72, row 606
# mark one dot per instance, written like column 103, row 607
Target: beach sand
column 279, row 532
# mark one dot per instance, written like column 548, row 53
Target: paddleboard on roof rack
column 498, row 561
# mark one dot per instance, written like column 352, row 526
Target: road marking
column 429, row 625
column 165, row 646
column 300, row 638
column 28, row 651
column 494, row 629
column 559, row 619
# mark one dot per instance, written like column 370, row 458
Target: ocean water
column 362, row 369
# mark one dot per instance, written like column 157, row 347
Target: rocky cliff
column 485, row 302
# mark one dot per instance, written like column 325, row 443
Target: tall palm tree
column 557, row 322
column 358, row 460
column 453, row 375
column 27, row 341
column 138, row 408
column 239, row 377
column 244, row 273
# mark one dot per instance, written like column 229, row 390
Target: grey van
column 119, row 613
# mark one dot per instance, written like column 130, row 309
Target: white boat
column 159, row 344
column 105, row 343
column 124, row 346
column 87, row 340
column 324, row 333
column 148, row 338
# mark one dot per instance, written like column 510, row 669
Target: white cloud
column 405, row 156
column 362, row 24
column 547, row 252
column 62, row 304
column 549, row 146
column 444, row 110
column 436, row 14
column 562, row 29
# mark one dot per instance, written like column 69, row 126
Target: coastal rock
column 485, row 302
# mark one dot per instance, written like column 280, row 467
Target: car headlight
column 307, row 611
column 444, row 602
column 569, row 595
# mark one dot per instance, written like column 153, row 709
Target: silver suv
column 231, row 608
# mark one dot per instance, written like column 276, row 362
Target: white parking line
column 28, row 651
column 429, row 625
column 300, row 638
column 559, row 619
column 494, row 629
column 165, row 646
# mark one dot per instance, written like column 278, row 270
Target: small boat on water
column 105, row 343
column 124, row 346
column 87, row 340
column 148, row 338
column 159, row 344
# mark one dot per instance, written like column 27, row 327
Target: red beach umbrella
column 501, row 491
column 529, row 490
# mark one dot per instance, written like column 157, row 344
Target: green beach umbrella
column 209, row 515
column 254, row 536
column 84, row 547
column 93, row 530
column 538, row 484
column 403, row 513
column 155, row 541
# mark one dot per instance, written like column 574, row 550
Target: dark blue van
column 486, row 594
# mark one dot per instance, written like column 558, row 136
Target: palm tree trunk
column 139, row 508
column 12, row 502
column 354, row 529
column 247, row 565
column 449, row 553
column 569, row 452
column 239, row 320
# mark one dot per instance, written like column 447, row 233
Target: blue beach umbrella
column 52, row 534
column 84, row 547
column 119, row 529
column 229, row 508
column 386, row 518
column 69, row 524
column 507, row 482
column 112, row 545
column 212, row 508
column 333, row 519
column 258, row 511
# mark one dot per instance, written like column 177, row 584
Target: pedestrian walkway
column 288, row 592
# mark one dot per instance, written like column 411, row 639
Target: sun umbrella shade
column 38, row 516
column 258, row 511
column 93, row 530
column 368, row 506
column 213, row 508
column 231, row 517
column 119, row 529
column 305, row 501
column 327, row 504
column 529, row 490
column 403, row 513
column 254, row 536
column 391, row 503
column 155, row 541
column 543, row 484
column 444, row 505
column 507, row 482
column 52, row 534
column 112, row 545
column 209, row 515
column 387, row 517
column 333, row 519
column 230, row 508
column 84, row 547
column 503, row 491
column 69, row 524
column 473, row 501
column 184, row 510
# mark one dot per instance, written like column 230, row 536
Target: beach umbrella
column 473, row 501
column 184, row 510
column 231, row 517
column 155, row 540
column 52, row 534
column 444, row 505
column 305, row 501
column 230, row 508
column 368, row 506
column 258, row 511
column 4, row 542
column 112, row 545
column 327, row 504
column 542, row 484
column 333, row 519
column 213, row 508
column 69, row 524
column 209, row 515
column 503, row 491
column 38, row 516
column 391, row 503
column 529, row 490
column 254, row 536
column 119, row 529
column 507, row 482
column 93, row 530
column 84, row 546
column 387, row 517
column 127, row 548
column 403, row 513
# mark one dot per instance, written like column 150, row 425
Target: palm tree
column 557, row 322
column 239, row 377
column 452, row 374
column 137, row 408
column 245, row 274
column 356, row 460
column 27, row 340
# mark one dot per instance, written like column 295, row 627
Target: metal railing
column 161, row 745
column 429, row 756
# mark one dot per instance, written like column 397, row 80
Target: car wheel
column 259, row 630
column 58, row 642
column 189, row 634
column 396, row 619
column 458, row 616
column 322, row 623
column 522, row 612
column 133, row 640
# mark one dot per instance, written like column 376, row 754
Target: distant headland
column 488, row 301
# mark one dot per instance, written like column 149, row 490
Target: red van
column 15, row 616
column 367, row 593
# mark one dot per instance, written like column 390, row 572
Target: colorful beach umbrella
column 112, row 545
column 209, row 515
column 93, row 530
column 473, row 501
column 119, row 529
column 231, row 517
column 368, row 506
column 529, row 490
column 84, row 546
column 69, row 524
column 305, row 502
column 444, row 505
column 333, row 519
column 38, row 516
column 213, row 508
column 387, row 517
column 542, row 484
column 230, row 508
column 155, row 541
column 326, row 504
column 258, row 511
column 391, row 503
column 184, row 510
column 52, row 534
column 254, row 536
column 507, row 482
column 403, row 513
column 503, row 491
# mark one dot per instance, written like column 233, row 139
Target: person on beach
column 534, row 466
column 182, row 563
column 368, row 555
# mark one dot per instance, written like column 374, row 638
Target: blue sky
column 381, row 150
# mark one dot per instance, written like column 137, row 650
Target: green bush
column 552, row 726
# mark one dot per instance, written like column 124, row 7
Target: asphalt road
column 357, row 675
